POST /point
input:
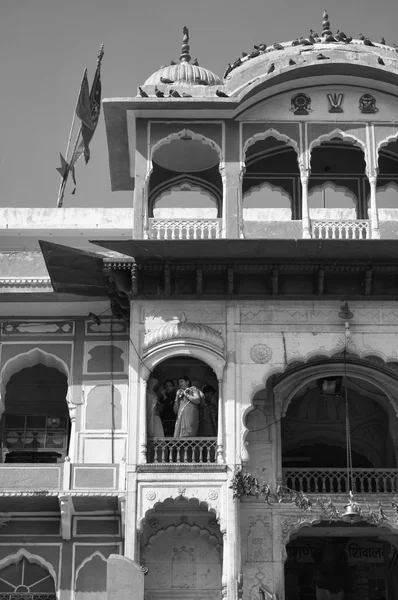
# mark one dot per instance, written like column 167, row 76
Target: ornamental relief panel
column 150, row 496
column 158, row 315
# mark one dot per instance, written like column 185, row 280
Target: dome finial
column 185, row 57
column 326, row 24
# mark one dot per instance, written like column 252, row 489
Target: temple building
column 199, row 393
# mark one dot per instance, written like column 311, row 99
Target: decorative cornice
column 26, row 282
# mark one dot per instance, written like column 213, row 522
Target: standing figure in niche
column 154, row 422
column 186, row 407
column 208, row 413
column 168, row 394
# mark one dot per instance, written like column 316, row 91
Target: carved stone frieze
column 12, row 328
column 259, row 540
column 181, row 330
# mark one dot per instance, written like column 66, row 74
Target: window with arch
column 271, row 180
column 182, row 412
column 267, row 202
column 26, row 580
column 330, row 201
column 185, row 200
column 35, row 423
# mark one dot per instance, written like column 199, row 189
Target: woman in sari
column 186, row 407
column 154, row 422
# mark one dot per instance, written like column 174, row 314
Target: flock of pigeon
column 313, row 38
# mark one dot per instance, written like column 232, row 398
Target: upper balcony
column 195, row 197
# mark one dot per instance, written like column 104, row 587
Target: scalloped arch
column 384, row 142
column 192, row 527
column 32, row 558
column 303, row 370
column 343, row 135
column 271, row 132
column 95, row 554
column 212, row 507
column 269, row 186
column 335, row 188
column 196, row 183
column 25, row 360
column 183, row 133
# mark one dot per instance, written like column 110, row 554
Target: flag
column 90, row 118
column 83, row 109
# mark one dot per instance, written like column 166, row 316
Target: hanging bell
column 344, row 312
column 352, row 513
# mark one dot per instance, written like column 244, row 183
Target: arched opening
column 337, row 560
column 338, row 183
column 185, row 189
column 35, row 425
column 24, row 578
column 314, row 438
column 182, row 412
column 270, row 187
column 387, row 182
column 181, row 546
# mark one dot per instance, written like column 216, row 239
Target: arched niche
column 342, row 135
column 91, row 578
column 271, row 132
column 29, row 359
column 267, row 202
column 188, row 135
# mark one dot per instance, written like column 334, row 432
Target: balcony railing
column 330, row 229
column 198, row 450
column 184, row 229
column 334, row 481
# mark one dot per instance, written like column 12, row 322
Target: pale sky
column 46, row 44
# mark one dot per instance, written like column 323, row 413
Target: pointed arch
column 181, row 347
column 32, row 558
column 150, row 502
column 26, row 360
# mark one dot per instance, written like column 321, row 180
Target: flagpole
column 62, row 185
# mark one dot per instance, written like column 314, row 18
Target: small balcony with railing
column 316, row 443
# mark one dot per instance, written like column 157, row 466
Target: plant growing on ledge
column 246, row 484
column 300, row 500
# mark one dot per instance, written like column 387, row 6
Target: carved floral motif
column 300, row 104
column 150, row 495
column 260, row 353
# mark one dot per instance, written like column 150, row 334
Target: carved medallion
column 154, row 523
column 213, row 495
column 335, row 102
column 301, row 104
column 260, row 353
column 150, row 495
column 367, row 104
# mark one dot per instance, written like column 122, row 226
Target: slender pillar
column 220, row 425
column 232, row 200
column 140, row 181
column 374, row 217
column 304, row 205
column 142, row 422
column 232, row 558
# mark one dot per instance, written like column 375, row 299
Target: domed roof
column 303, row 52
column 184, row 72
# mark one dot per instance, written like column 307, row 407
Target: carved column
column 232, row 549
column 72, row 452
column 304, row 177
column 142, row 422
column 232, row 200
column 373, row 214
